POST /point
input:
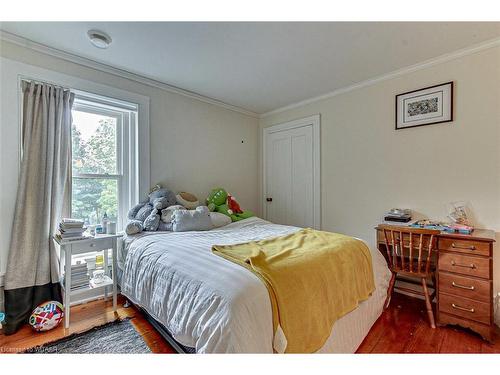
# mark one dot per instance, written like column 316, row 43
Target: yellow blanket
column 313, row 279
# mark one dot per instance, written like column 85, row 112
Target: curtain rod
column 83, row 94
column 40, row 82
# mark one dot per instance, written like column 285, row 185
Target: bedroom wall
column 368, row 167
column 194, row 145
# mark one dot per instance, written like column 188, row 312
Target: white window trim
column 126, row 173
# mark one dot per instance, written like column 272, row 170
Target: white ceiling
column 259, row 66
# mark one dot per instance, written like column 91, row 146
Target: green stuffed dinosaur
column 220, row 201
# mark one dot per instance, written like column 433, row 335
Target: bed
column 212, row 305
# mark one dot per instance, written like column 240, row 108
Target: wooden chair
column 409, row 253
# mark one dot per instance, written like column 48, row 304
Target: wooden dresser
column 464, row 278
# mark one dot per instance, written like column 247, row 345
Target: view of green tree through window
column 95, row 166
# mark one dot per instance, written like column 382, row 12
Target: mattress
column 216, row 306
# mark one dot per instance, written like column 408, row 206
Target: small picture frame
column 430, row 105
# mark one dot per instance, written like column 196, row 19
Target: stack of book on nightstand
column 71, row 230
column 79, row 276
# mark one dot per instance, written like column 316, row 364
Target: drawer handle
column 463, row 286
column 462, row 308
column 453, row 245
column 471, row 266
column 92, row 245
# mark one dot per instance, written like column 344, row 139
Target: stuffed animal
column 166, row 213
column 192, row 220
column 234, row 207
column 220, row 201
column 146, row 214
column 187, row 200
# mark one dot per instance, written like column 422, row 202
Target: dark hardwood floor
column 402, row 328
column 83, row 318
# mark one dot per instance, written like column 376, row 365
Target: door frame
column 315, row 122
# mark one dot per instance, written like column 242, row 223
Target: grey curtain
column 32, row 274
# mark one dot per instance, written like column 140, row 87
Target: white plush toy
column 188, row 220
column 166, row 213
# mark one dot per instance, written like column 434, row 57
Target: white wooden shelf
column 103, row 243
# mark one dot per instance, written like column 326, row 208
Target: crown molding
column 396, row 73
column 18, row 40
column 83, row 61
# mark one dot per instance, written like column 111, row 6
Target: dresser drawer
column 465, row 246
column 463, row 286
column 92, row 245
column 464, row 307
column 464, row 264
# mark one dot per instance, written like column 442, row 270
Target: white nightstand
column 102, row 242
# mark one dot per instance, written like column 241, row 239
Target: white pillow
column 219, row 220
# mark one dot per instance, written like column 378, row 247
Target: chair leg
column 390, row 290
column 428, row 304
column 434, row 285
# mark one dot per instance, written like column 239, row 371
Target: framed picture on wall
column 430, row 105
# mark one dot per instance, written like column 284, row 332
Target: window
column 104, row 178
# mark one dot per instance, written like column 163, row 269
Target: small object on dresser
column 429, row 224
column 2, row 318
column 400, row 215
column 458, row 213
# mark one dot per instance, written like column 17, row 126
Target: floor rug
column 115, row 337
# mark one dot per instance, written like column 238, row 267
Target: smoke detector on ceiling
column 99, row 38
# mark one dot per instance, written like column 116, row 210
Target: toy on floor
column 46, row 316
column 146, row 214
column 220, row 201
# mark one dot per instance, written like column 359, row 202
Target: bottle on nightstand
column 104, row 222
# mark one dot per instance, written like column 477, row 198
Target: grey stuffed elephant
column 146, row 214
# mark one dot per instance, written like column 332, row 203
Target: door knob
column 269, row 199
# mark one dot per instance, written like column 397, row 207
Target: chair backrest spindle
column 402, row 249
column 411, row 251
column 388, row 247
column 401, row 256
column 429, row 253
column 420, row 247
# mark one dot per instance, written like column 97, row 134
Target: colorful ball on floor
column 46, row 316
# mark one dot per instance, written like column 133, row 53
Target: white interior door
column 291, row 174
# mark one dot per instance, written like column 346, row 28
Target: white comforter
column 205, row 301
